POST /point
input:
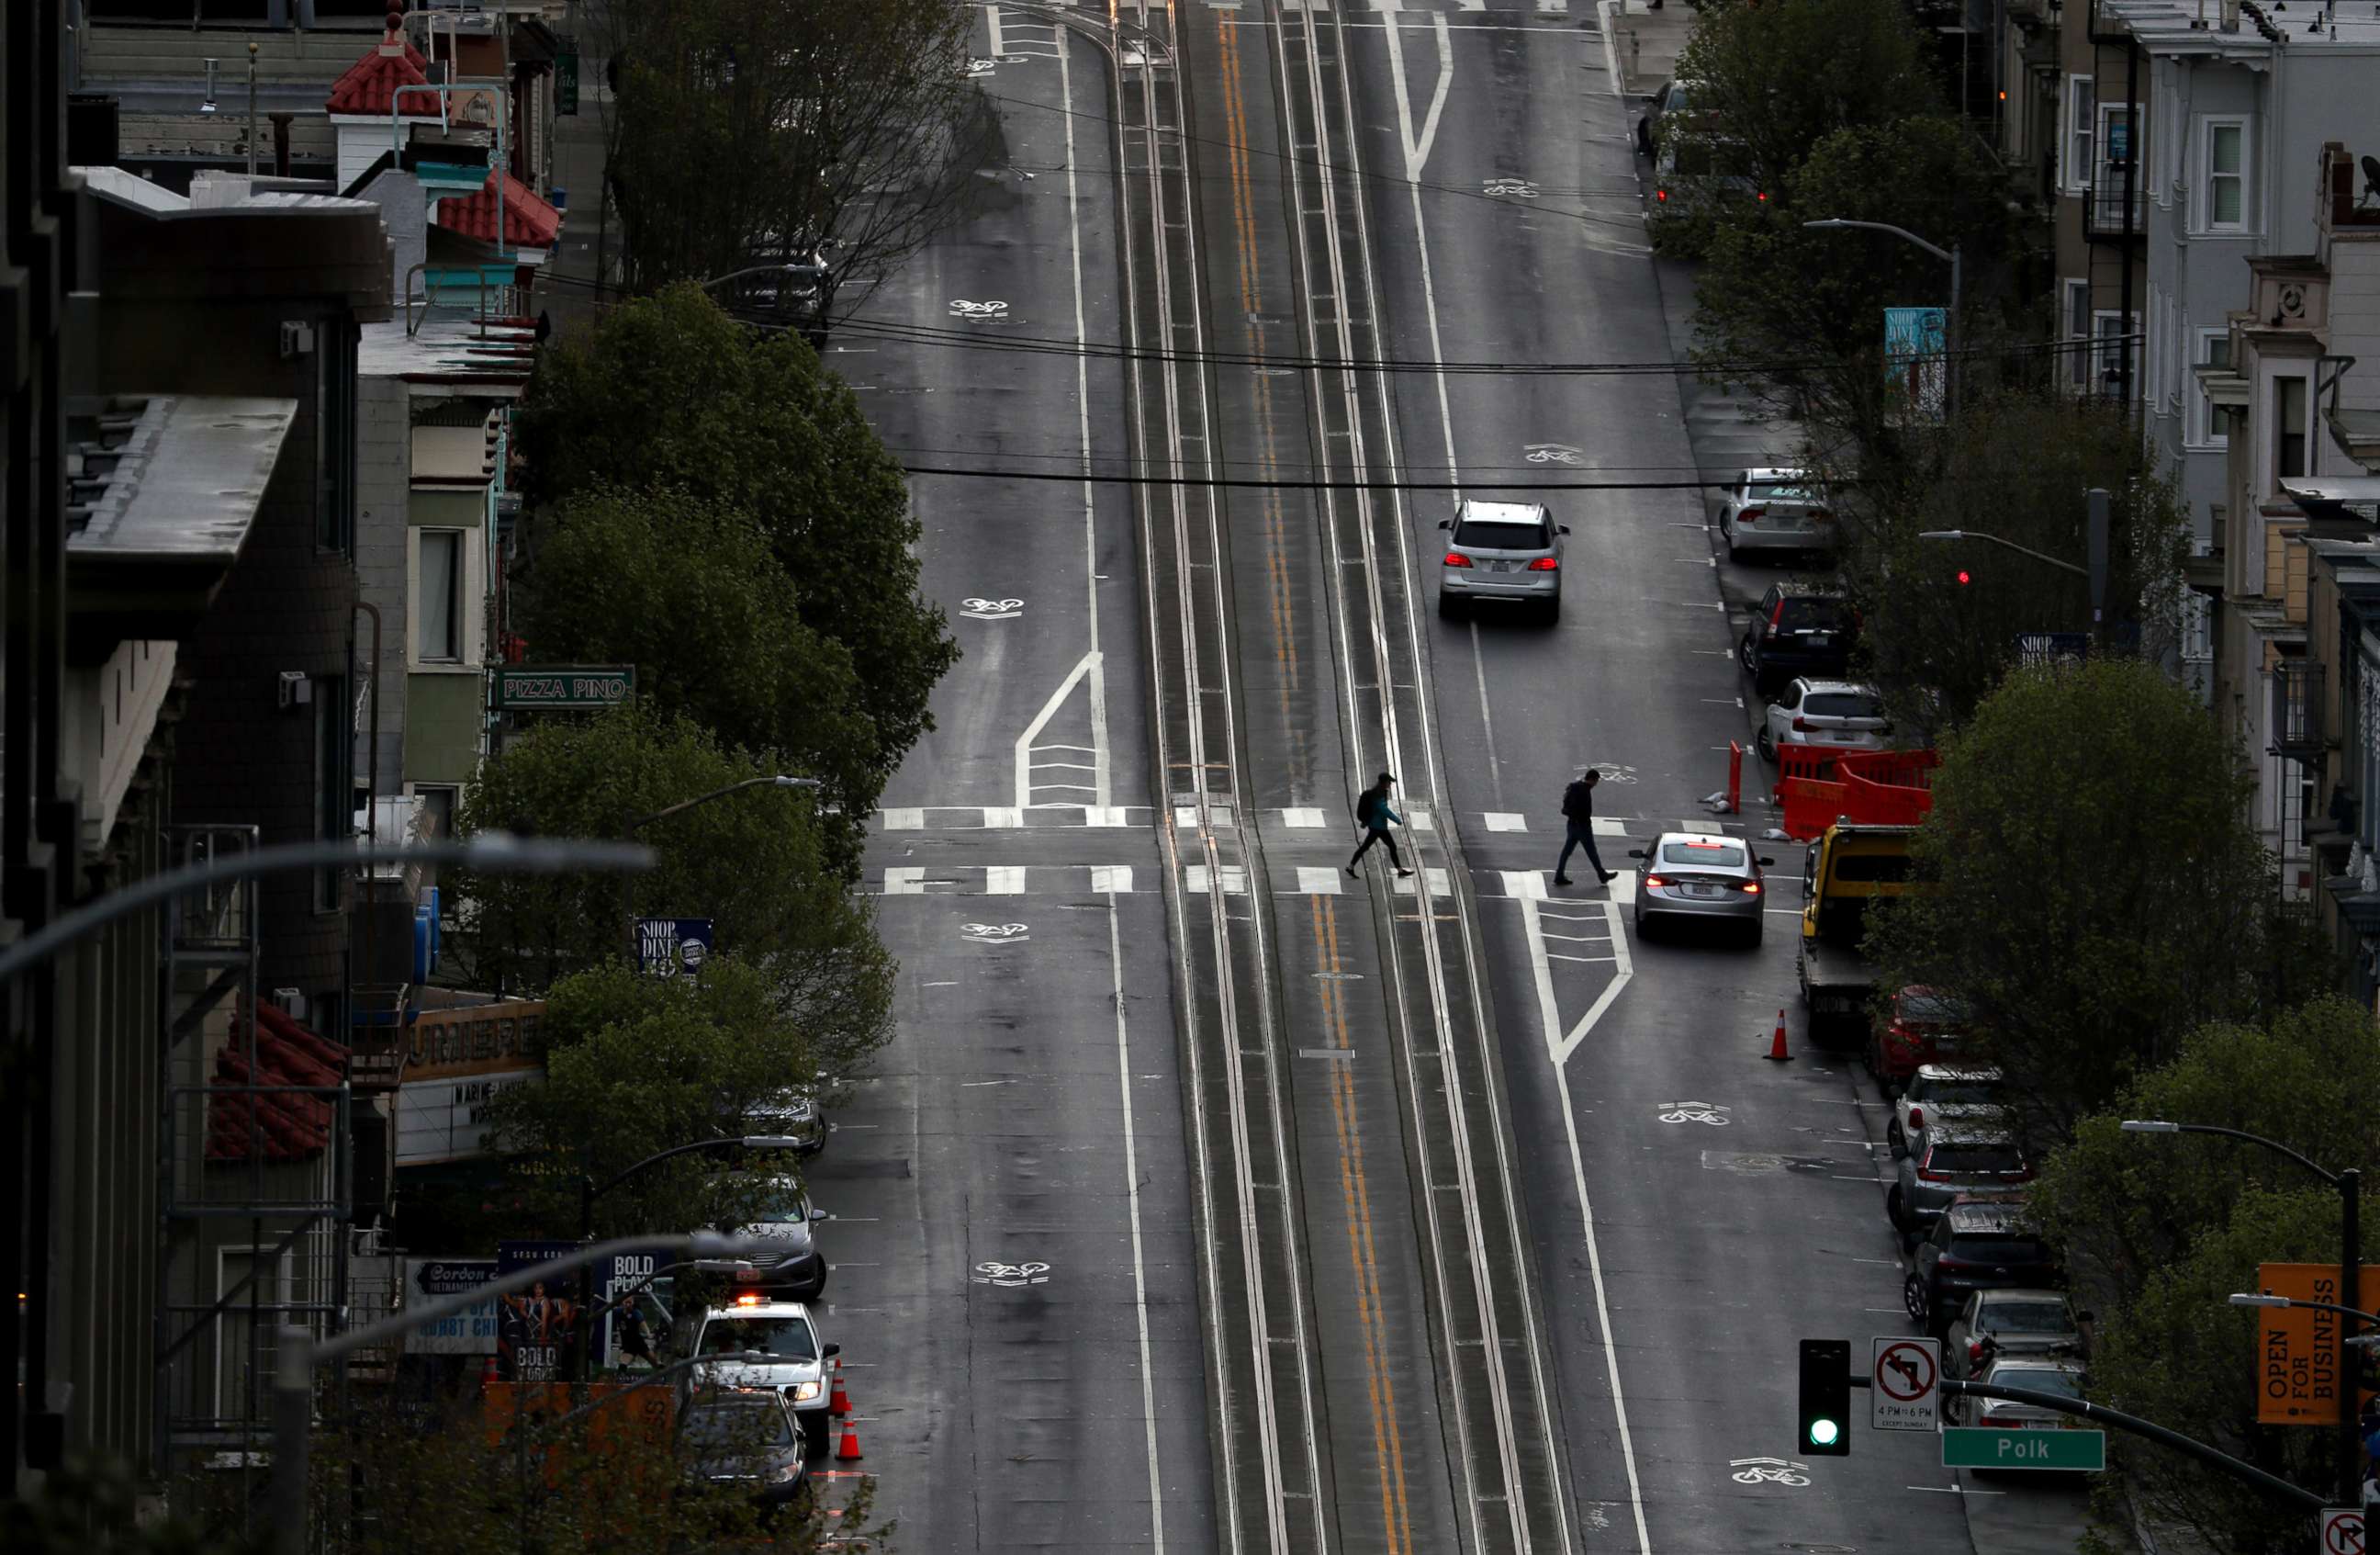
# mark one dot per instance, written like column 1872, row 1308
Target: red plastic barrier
column 1817, row 786
column 1734, row 778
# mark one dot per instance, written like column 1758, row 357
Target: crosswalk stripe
column 1305, row 818
column 1005, row 879
column 1112, row 880
column 1527, row 883
column 1319, row 881
column 1505, row 820
column 901, row 820
column 1440, row 884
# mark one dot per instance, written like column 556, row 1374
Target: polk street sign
column 1904, row 1384
column 1988, row 1447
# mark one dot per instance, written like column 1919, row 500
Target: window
column 2077, row 319
column 2210, row 427
column 2111, row 158
column 2289, row 428
column 334, row 434
column 438, row 598
column 2081, row 129
column 437, row 812
column 2223, row 176
column 335, row 819
column 2115, row 360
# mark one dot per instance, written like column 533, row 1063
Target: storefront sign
column 562, row 687
column 534, row 1326
column 2297, row 1348
column 471, row 1332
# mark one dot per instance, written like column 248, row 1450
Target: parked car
column 1775, row 510
column 1689, row 875
column 1957, row 1159
column 783, row 1330
column 1938, row 1094
column 1978, row 1244
column 1841, row 714
column 746, row 1438
column 794, row 1268
column 2017, row 1321
column 1797, row 629
column 1504, row 552
column 1919, row 1026
column 2063, row 1376
column 1670, row 99
column 798, row 1112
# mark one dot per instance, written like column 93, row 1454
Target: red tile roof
column 371, row 83
column 291, row 1126
column 529, row 222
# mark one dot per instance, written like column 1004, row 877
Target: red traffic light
column 1964, row 577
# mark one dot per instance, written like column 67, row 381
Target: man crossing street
column 1578, row 825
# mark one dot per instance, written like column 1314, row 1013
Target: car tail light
column 1544, row 564
column 1800, row 725
column 1751, row 888
column 1975, row 1352
column 1751, row 516
column 1661, row 195
column 1917, row 1117
column 1457, row 559
column 2003, row 1422
column 1655, row 881
column 1927, row 1174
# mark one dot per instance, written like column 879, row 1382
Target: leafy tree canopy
column 689, row 591
column 2159, row 1229
column 635, row 1064
column 2095, row 890
column 751, row 861
column 670, row 393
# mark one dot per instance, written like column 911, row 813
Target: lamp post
column 627, row 907
column 1950, row 331
column 2097, row 518
column 2007, row 544
column 298, row 1351
column 589, row 1191
column 2349, row 1184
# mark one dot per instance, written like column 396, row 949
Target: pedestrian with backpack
column 1578, row 825
column 1372, row 813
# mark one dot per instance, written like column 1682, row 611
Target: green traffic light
column 1823, row 1433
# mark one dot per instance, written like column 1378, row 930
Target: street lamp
column 1950, row 332
column 627, row 907
column 589, row 1191
column 2097, row 519
column 2349, row 1184
column 2009, row 544
column 293, row 1380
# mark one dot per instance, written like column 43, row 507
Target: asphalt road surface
column 1210, row 1199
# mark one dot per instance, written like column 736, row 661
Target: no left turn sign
column 1904, row 1384
column 2342, row 1530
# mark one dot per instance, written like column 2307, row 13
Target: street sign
column 563, row 687
column 670, row 947
column 1904, row 1384
column 2342, row 1531
column 565, row 78
column 2017, row 1447
column 2297, row 1348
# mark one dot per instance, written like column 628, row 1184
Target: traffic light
column 1965, row 578
column 1827, row 1397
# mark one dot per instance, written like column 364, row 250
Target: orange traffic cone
column 849, row 1451
column 1776, row 1043
column 840, row 1403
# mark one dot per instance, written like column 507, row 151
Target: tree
column 636, row 1064
column 1775, row 80
column 689, row 592
column 845, row 129
column 2092, row 888
column 1800, row 313
column 671, row 394
column 2158, row 1232
column 97, row 1506
column 2018, row 469
column 751, row 862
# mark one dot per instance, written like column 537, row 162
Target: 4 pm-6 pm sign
column 1987, row 1447
column 563, row 687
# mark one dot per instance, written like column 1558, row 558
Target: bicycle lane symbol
column 1769, row 1471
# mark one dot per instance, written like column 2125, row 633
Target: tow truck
column 1857, row 810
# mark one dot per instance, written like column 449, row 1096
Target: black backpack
column 1368, row 804
column 1577, row 799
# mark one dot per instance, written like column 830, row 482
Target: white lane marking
column 1186, row 817
column 1528, row 884
column 1506, row 820
column 1419, row 820
column 1083, row 666
column 1104, row 815
column 1701, row 828
column 1197, row 880
column 1005, row 879
column 1307, row 818
column 1132, row 1198
column 1312, row 881
column 1624, row 892
column 905, row 880
column 1101, row 782
column 1002, row 817
column 1605, row 826
column 1559, row 1048
column 991, row 30
column 908, row 819
column 1480, row 669
column 1440, row 885
column 1112, row 880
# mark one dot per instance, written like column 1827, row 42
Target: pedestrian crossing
column 1300, row 880
column 1019, row 818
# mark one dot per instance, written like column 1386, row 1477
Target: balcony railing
column 2106, row 212
column 2296, row 709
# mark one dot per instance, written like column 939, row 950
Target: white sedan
column 1774, row 510
column 1838, row 713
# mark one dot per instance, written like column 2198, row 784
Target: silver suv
column 1508, row 552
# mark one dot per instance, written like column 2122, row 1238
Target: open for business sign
column 2297, row 1349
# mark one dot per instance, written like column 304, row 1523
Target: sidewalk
column 1647, row 41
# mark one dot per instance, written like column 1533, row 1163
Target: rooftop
column 370, row 86
column 2196, row 27
column 450, row 345
column 529, row 222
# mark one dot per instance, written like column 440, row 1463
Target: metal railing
column 2106, row 212
column 2298, row 731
